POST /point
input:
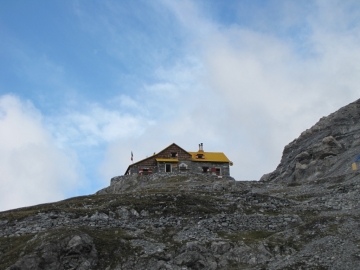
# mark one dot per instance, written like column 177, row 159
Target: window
column 145, row 171
column 200, row 156
column 183, row 167
column 205, row 169
column 174, row 154
column 216, row 171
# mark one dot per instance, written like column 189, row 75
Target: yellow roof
column 210, row 157
column 167, row 160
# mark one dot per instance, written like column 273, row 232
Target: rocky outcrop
column 325, row 150
column 171, row 230
column 135, row 182
column 249, row 225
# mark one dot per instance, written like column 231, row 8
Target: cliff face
column 304, row 215
column 325, row 150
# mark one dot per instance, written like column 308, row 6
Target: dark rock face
column 304, row 215
column 325, row 150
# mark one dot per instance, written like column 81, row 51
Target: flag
column 131, row 156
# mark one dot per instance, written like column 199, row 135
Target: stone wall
column 191, row 166
column 197, row 166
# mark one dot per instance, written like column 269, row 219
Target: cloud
column 272, row 92
column 246, row 86
column 95, row 124
column 182, row 111
column 252, row 89
column 32, row 169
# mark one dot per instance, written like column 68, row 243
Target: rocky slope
column 324, row 150
column 304, row 215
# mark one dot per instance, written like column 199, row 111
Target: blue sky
column 84, row 83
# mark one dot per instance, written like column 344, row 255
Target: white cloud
column 32, row 169
column 95, row 124
column 251, row 92
column 272, row 94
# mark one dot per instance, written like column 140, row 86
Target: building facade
column 175, row 159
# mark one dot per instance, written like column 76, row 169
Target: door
column 167, row 167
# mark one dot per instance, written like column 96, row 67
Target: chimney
column 201, row 148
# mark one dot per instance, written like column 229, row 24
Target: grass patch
column 307, row 215
column 302, row 197
column 248, row 238
column 333, row 186
column 182, row 203
column 271, row 213
column 303, row 265
column 332, row 229
column 294, row 184
column 10, row 248
column 112, row 246
column 317, row 227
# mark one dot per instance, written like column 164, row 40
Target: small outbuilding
column 175, row 159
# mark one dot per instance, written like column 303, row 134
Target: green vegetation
column 11, row 248
column 294, row 184
column 110, row 243
column 248, row 238
column 302, row 197
column 283, row 243
column 193, row 204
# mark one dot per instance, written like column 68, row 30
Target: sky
column 84, row 83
